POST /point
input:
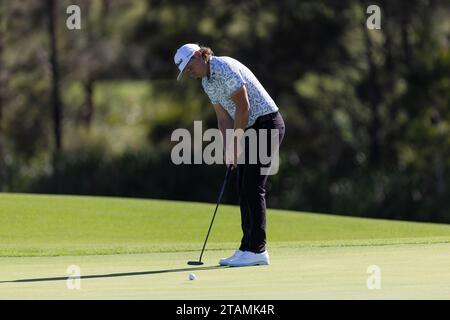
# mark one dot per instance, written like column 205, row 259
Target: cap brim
column 184, row 66
column 180, row 75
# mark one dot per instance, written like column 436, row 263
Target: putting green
column 417, row 271
column 138, row 249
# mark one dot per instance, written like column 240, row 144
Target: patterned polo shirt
column 226, row 76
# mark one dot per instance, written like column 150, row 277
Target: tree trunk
column 406, row 47
column 2, row 87
column 88, row 109
column 389, row 63
column 374, row 97
column 52, row 9
column 2, row 67
column 106, row 5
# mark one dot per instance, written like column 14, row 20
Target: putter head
column 195, row 263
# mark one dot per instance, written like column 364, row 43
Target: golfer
column 240, row 102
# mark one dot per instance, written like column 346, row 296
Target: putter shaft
column 215, row 211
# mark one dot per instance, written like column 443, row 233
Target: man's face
column 195, row 68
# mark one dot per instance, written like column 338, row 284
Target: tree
column 52, row 10
column 373, row 97
column 2, row 86
column 93, row 53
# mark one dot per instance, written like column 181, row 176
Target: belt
column 266, row 117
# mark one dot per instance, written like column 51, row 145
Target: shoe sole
column 224, row 263
column 258, row 263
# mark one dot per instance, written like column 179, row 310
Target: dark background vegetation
column 91, row 111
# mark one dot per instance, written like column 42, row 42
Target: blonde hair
column 206, row 53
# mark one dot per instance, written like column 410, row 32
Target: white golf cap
column 183, row 55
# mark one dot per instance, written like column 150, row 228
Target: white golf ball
column 192, row 276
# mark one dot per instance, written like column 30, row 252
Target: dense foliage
column 91, row 111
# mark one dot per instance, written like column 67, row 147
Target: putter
column 199, row 262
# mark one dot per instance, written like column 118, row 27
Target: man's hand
column 234, row 150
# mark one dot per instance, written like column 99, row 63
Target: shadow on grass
column 112, row 275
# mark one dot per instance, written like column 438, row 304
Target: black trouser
column 251, row 188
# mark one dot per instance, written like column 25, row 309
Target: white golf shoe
column 250, row 259
column 225, row 261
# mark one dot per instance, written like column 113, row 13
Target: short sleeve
column 213, row 100
column 232, row 78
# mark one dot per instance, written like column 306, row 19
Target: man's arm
column 240, row 99
column 224, row 121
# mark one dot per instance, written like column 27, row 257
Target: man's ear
column 197, row 54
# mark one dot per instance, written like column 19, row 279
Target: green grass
column 43, row 225
column 418, row 271
column 137, row 249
